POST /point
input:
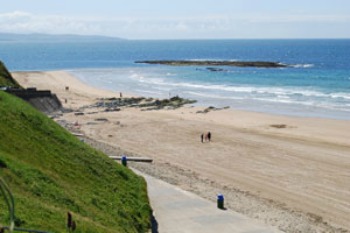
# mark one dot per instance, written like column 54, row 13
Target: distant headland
column 259, row 64
column 39, row 37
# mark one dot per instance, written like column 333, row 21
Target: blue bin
column 124, row 160
column 220, row 201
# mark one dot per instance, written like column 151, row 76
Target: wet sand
column 289, row 172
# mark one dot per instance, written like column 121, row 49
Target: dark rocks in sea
column 213, row 69
column 211, row 108
column 172, row 103
column 258, row 64
column 115, row 104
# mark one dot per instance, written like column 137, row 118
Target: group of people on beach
column 205, row 137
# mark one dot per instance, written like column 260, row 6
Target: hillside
column 51, row 172
column 6, row 79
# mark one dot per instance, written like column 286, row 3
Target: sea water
column 316, row 82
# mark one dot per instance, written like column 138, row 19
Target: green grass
column 6, row 79
column 51, row 172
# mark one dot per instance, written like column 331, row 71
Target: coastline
column 300, row 164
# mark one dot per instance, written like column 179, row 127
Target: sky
column 180, row 19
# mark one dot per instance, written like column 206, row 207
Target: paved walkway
column 179, row 211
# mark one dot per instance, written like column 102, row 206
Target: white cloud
column 22, row 22
column 16, row 15
column 303, row 18
column 217, row 26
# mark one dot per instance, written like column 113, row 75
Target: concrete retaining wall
column 44, row 101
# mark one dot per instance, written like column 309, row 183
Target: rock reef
column 146, row 104
column 259, row 64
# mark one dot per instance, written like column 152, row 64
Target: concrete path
column 179, row 211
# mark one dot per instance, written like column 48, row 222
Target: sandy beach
column 289, row 172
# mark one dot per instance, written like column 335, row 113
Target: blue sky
column 180, row 19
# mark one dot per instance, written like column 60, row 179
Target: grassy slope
column 6, row 78
column 51, row 172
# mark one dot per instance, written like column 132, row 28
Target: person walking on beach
column 209, row 136
column 202, row 137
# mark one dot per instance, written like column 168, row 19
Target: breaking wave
column 303, row 65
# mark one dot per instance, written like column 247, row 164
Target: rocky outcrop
column 146, row 104
column 259, row 64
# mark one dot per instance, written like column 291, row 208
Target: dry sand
column 289, row 172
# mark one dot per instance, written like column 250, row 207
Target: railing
column 5, row 191
column 9, row 200
column 23, row 230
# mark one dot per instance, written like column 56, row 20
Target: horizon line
column 154, row 39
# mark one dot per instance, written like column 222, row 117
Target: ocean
column 316, row 84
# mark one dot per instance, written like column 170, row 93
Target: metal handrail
column 9, row 202
column 26, row 230
column 11, row 207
